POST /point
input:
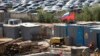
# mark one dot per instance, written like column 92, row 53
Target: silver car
column 19, row 10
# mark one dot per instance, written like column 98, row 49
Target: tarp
column 69, row 17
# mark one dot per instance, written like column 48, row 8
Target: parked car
column 45, row 5
column 8, row 4
column 65, row 8
column 3, row 8
column 49, row 1
column 36, row 6
column 94, row 2
column 36, row 1
column 31, row 8
column 25, row 5
column 30, row 2
column 60, row 4
column 56, row 8
column 77, row 2
column 31, row 11
column 70, row 2
column 53, row 3
column 40, row 2
column 65, row 0
column 24, row 1
column 87, row 3
column 16, row 5
column 3, row 4
column 48, row 9
column 19, row 10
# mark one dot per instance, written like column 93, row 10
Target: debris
column 19, row 47
column 4, row 41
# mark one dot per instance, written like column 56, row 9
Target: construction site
column 55, row 39
column 49, row 27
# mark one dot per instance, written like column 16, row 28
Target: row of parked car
column 68, row 5
column 32, row 6
column 51, row 5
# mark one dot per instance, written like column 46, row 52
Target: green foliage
column 45, row 17
column 86, row 15
column 89, row 14
column 96, row 13
column 41, row 17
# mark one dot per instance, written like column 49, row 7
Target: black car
column 3, row 8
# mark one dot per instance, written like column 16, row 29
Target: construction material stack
column 19, row 47
column 3, row 42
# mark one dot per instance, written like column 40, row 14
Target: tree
column 85, row 15
column 96, row 13
column 89, row 14
column 45, row 17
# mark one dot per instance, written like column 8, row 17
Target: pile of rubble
column 18, row 46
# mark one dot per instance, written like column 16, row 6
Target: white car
column 91, row 4
column 87, row 3
column 56, row 8
column 48, row 9
column 70, row 2
column 24, row 1
column 40, row 2
column 30, row 2
column 95, row 2
column 77, row 2
column 64, row 8
column 60, row 4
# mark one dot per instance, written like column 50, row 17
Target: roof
column 60, row 24
column 9, row 25
column 81, row 47
column 29, row 24
column 13, row 19
column 97, row 28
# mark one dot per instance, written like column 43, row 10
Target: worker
column 96, row 52
column 91, row 46
column 61, row 53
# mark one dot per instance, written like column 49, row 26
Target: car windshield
column 47, row 4
column 64, row 6
column 16, row 4
column 49, row 7
column 30, row 2
column 32, row 11
column 19, row 9
column 36, row 4
column 1, row 6
column 30, row 8
column 71, row 2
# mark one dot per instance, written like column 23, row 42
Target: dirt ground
column 95, row 54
